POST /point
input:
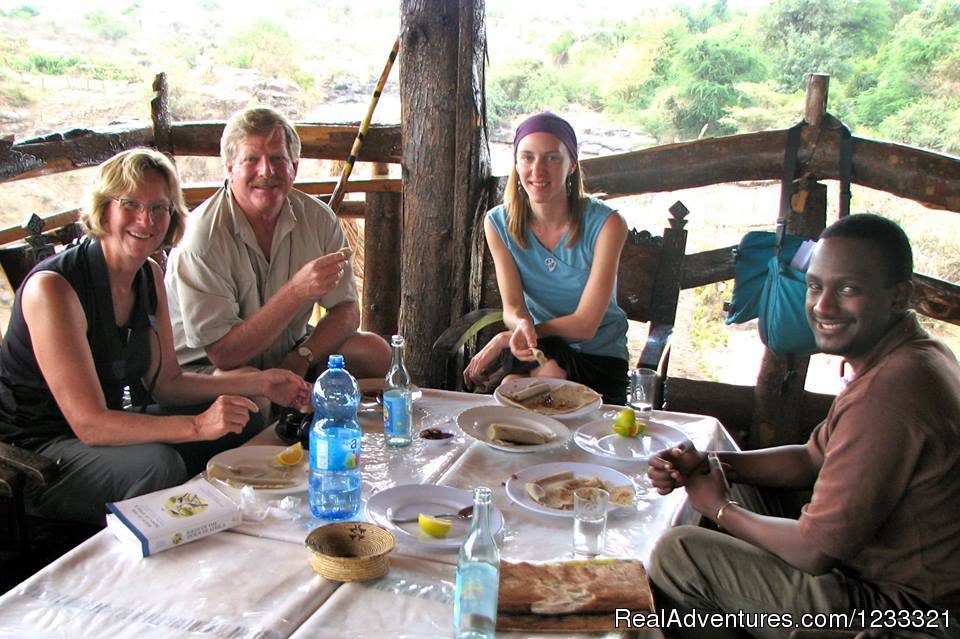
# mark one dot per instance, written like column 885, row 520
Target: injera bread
column 570, row 596
column 558, row 401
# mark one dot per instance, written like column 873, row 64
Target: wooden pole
column 779, row 392
column 382, row 236
column 362, row 131
column 438, row 43
column 160, row 114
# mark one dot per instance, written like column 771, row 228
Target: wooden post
column 381, row 251
column 441, row 93
column 160, row 113
column 818, row 85
column 779, row 391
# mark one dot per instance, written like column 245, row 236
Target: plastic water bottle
column 397, row 398
column 335, row 434
column 478, row 575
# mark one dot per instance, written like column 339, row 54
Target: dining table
column 255, row 580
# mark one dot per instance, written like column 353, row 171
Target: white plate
column 517, row 482
column 260, row 457
column 476, row 421
column 597, row 437
column 412, row 499
column 517, row 384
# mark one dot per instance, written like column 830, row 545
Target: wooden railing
column 923, row 176
column 380, row 208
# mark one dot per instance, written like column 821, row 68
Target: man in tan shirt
column 256, row 257
column 880, row 537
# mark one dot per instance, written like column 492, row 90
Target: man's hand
column 708, row 492
column 672, row 467
column 523, row 341
column 318, row 277
column 476, row 370
column 285, row 387
column 228, row 414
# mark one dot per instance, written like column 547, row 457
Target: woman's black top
column 29, row 414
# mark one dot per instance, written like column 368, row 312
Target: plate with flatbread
column 257, row 467
column 512, row 429
column 548, row 488
column 597, row 437
column 548, row 396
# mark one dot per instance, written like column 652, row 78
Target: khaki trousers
column 708, row 571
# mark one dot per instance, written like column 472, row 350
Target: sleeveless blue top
column 553, row 281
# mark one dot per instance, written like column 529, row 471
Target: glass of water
column 589, row 520
column 643, row 389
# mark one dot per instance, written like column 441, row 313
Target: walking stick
column 338, row 190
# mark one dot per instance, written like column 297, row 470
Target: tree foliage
column 681, row 71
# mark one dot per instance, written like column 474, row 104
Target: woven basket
column 350, row 551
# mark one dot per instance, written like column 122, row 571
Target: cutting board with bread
column 570, row 596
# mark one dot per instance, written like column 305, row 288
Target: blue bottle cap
column 335, row 361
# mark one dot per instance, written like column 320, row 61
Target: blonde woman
column 92, row 321
column 556, row 253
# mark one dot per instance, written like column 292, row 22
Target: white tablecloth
column 255, row 580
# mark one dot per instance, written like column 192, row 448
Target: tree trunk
column 444, row 165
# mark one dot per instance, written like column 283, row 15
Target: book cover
column 166, row 518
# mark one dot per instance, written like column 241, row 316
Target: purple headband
column 547, row 122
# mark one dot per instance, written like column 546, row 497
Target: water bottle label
column 335, row 453
column 397, row 413
column 475, row 598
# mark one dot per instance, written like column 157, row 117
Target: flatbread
column 556, row 491
column 529, row 590
column 558, row 400
column 539, row 356
column 520, row 434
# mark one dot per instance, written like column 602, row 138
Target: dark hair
column 885, row 234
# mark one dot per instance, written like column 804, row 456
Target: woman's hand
column 228, row 414
column 523, row 341
column 476, row 370
column 285, row 387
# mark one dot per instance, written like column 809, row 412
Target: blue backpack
column 765, row 285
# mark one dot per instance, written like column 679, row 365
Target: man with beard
column 880, row 533
column 256, row 257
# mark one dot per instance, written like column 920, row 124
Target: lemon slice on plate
column 290, row 456
column 434, row 527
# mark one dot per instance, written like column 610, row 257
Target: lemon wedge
column 626, row 424
column 434, row 527
column 290, row 456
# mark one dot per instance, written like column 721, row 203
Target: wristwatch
column 306, row 353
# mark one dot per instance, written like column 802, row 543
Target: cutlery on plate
column 464, row 513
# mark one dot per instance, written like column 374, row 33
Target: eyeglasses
column 135, row 207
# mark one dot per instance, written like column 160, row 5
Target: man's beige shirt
column 217, row 276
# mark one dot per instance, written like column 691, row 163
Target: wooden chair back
column 17, row 259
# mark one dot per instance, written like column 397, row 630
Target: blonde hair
column 517, row 205
column 124, row 173
column 259, row 120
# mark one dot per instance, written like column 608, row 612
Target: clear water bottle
column 397, row 398
column 478, row 575
column 335, row 434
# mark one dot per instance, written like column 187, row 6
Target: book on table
column 171, row 517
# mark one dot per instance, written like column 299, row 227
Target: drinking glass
column 589, row 520
column 643, row 389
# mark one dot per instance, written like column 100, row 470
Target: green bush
column 266, row 47
column 932, row 123
column 14, row 93
column 24, row 11
column 107, row 26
